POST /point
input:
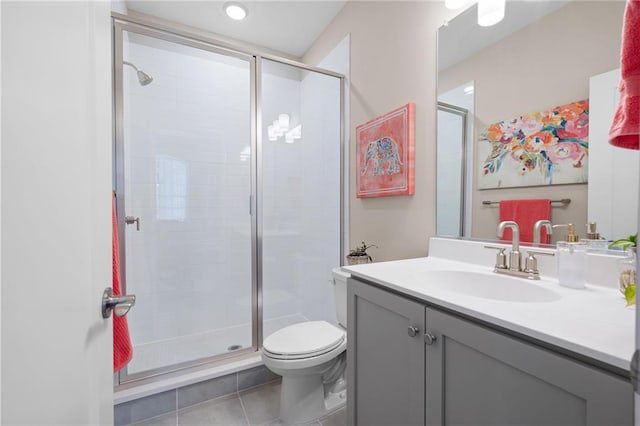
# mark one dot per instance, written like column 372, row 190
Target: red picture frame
column 385, row 162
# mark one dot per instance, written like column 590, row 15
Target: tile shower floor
column 255, row 406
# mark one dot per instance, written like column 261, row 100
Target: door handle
column 121, row 304
column 130, row 220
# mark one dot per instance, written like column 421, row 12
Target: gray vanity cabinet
column 453, row 371
column 385, row 366
column 475, row 375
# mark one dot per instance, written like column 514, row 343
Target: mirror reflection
column 542, row 55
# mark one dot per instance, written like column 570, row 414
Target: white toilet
column 311, row 358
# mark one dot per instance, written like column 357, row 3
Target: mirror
column 542, row 55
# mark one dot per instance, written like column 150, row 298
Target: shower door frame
column 464, row 116
column 177, row 33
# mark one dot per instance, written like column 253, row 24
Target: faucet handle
column 501, row 257
column 531, row 263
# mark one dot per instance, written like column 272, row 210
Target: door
column 184, row 185
column 475, row 375
column 56, row 201
column 386, row 358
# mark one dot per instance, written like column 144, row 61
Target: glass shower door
column 184, row 184
column 300, row 193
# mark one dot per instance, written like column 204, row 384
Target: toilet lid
column 305, row 338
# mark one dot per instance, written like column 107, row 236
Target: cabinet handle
column 429, row 338
column 413, row 331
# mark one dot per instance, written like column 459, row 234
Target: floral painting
column 542, row 148
column 384, row 154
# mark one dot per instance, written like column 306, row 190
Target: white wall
column 392, row 62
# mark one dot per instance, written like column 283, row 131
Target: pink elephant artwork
column 385, row 154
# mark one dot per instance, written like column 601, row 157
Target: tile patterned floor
column 257, row 406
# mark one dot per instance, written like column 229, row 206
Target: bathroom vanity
column 438, row 341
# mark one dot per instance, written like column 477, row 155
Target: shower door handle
column 121, row 304
column 130, row 220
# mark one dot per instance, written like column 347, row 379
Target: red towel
column 122, row 349
column 525, row 213
column 625, row 129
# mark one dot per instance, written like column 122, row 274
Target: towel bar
column 564, row 202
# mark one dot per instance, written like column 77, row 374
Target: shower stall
column 228, row 178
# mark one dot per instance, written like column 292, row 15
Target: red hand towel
column 625, row 129
column 122, row 349
column 525, row 213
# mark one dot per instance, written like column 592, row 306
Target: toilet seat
column 304, row 340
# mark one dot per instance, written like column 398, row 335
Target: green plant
column 361, row 250
column 627, row 280
column 630, row 294
column 630, row 241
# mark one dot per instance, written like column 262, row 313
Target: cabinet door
column 475, row 375
column 385, row 365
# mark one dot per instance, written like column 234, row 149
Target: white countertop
column 593, row 322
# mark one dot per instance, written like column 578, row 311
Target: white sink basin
column 490, row 286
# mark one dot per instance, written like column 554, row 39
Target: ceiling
column 462, row 36
column 289, row 27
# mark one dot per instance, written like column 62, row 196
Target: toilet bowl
column 311, row 358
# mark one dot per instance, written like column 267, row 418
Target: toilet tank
column 340, row 294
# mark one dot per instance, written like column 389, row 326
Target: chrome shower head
column 143, row 78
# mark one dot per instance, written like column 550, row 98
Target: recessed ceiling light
column 235, row 10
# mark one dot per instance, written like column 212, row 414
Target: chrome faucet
column 514, row 256
column 542, row 223
column 513, row 267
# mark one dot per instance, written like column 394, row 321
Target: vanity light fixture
column 277, row 130
column 280, row 128
column 293, row 134
column 235, row 10
column 490, row 12
column 283, row 120
column 271, row 132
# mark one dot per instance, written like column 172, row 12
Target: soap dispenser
column 572, row 259
column 594, row 240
